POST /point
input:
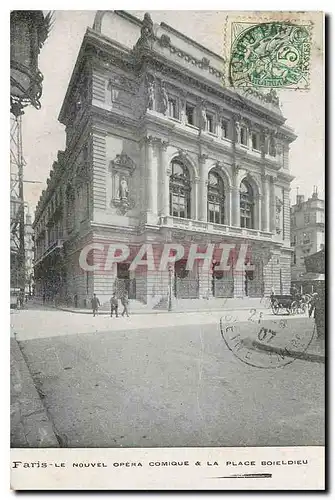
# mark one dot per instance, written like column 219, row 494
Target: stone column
column 203, row 183
column 182, row 108
column 258, row 212
column 228, row 207
column 150, row 188
column 195, row 199
column 272, row 205
column 235, row 199
column 265, row 203
column 249, row 134
column 165, row 172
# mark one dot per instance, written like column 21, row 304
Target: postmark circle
column 271, row 55
column 267, row 343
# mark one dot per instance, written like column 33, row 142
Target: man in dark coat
column 114, row 305
column 95, row 304
column 317, row 309
column 125, row 303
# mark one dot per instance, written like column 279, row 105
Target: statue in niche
column 279, row 149
column 279, row 204
column 273, row 146
column 151, row 96
column 237, row 131
column 165, row 100
column 203, row 118
column 124, row 192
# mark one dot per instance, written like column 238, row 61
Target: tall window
column 255, row 141
column 180, row 191
column 244, row 136
column 215, row 198
column 246, row 205
column 209, row 123
column 190, row 112
column 224, row 129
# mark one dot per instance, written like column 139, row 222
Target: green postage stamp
column 271, row 54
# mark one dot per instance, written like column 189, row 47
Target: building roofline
column 73, row 77
column 193, row 42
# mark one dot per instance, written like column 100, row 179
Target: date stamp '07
column 267, row 343
column 274, row 54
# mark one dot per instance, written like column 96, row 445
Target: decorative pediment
column 122, row 163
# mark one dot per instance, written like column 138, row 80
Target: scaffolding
column 17, row 215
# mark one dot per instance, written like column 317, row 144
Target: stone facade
column 160, row 151
column 308, row 231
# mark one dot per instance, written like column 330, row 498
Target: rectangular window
column 294, row 258
column 172, row 107
column 214, row 213
column 190, row 112
column 224, row 129
column 255, row 140
column 244, row 136
column 209, row 123
column 306, row 238
column 306, row 218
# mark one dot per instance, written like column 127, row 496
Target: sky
column 43, row 135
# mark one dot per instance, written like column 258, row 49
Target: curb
column 306, row 356
column 30, row 424
column 152, row 312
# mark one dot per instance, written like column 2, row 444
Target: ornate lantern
column 28, row 31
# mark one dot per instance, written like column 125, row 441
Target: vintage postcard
column 167, row 250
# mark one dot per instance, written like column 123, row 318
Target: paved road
column 168, row 386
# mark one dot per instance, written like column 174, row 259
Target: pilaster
column 203, row 183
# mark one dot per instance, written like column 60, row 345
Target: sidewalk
column 291, row 341
column 183, row 306
column 30, row 424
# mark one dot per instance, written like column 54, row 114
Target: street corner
column 271, row 343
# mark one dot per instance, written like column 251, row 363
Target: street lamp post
column 170, row 288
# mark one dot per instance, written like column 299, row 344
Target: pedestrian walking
column 312, row 304
column 317, row 310
column 21, row 298
column 125, row 303
column 95, row 304
column 114, row 305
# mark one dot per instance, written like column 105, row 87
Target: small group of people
column 114, row 303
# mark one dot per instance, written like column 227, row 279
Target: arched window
column 180, row 191
column 246, row 205
column 215, row 198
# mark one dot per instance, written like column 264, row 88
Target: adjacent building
column 307, row 236
column 307, row 231
column 159, row 150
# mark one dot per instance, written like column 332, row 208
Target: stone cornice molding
column 122, row 163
